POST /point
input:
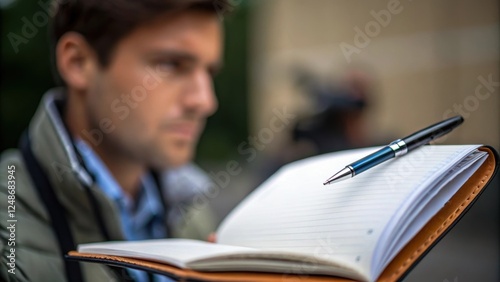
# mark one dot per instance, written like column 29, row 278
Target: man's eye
column 169, row 65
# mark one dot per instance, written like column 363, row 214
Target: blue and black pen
column 397, row 148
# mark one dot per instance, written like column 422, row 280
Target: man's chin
column 176, row 159
column 178, row 163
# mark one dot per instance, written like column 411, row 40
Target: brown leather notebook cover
column 407, row 258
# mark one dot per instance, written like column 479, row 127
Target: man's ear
column 76, row 61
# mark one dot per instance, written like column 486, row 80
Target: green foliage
column 229, row 126
column 26, row 74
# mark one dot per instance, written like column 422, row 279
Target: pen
column 397, row 148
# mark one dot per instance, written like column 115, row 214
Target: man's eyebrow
column 214, row 67
column 173, row 54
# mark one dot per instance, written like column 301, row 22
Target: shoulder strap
column 160, row 186
column 57, row 214
column 53, row 206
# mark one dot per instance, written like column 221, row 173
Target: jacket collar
column 53, row 147
column 48, row 129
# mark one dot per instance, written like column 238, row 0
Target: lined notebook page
column 177, row 252
column 293, row 210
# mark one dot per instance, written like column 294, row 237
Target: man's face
column 152, row 100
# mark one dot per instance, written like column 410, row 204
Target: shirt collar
column 103, row 176
column 134, row 214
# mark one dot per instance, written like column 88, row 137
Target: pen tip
column 341, row 175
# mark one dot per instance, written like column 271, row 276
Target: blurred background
column 308, row 77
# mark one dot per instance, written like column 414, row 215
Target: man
column 137, row 79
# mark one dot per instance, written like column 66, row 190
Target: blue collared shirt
column 140, row 220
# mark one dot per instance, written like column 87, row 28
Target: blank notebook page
column 294, row 211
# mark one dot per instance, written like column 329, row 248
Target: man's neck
column 125, row 171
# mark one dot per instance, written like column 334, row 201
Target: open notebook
column 294, row 225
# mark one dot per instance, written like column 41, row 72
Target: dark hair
column 104, row 22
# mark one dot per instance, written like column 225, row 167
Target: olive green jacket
column 33, row 242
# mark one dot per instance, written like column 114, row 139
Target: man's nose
column 201, row 95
